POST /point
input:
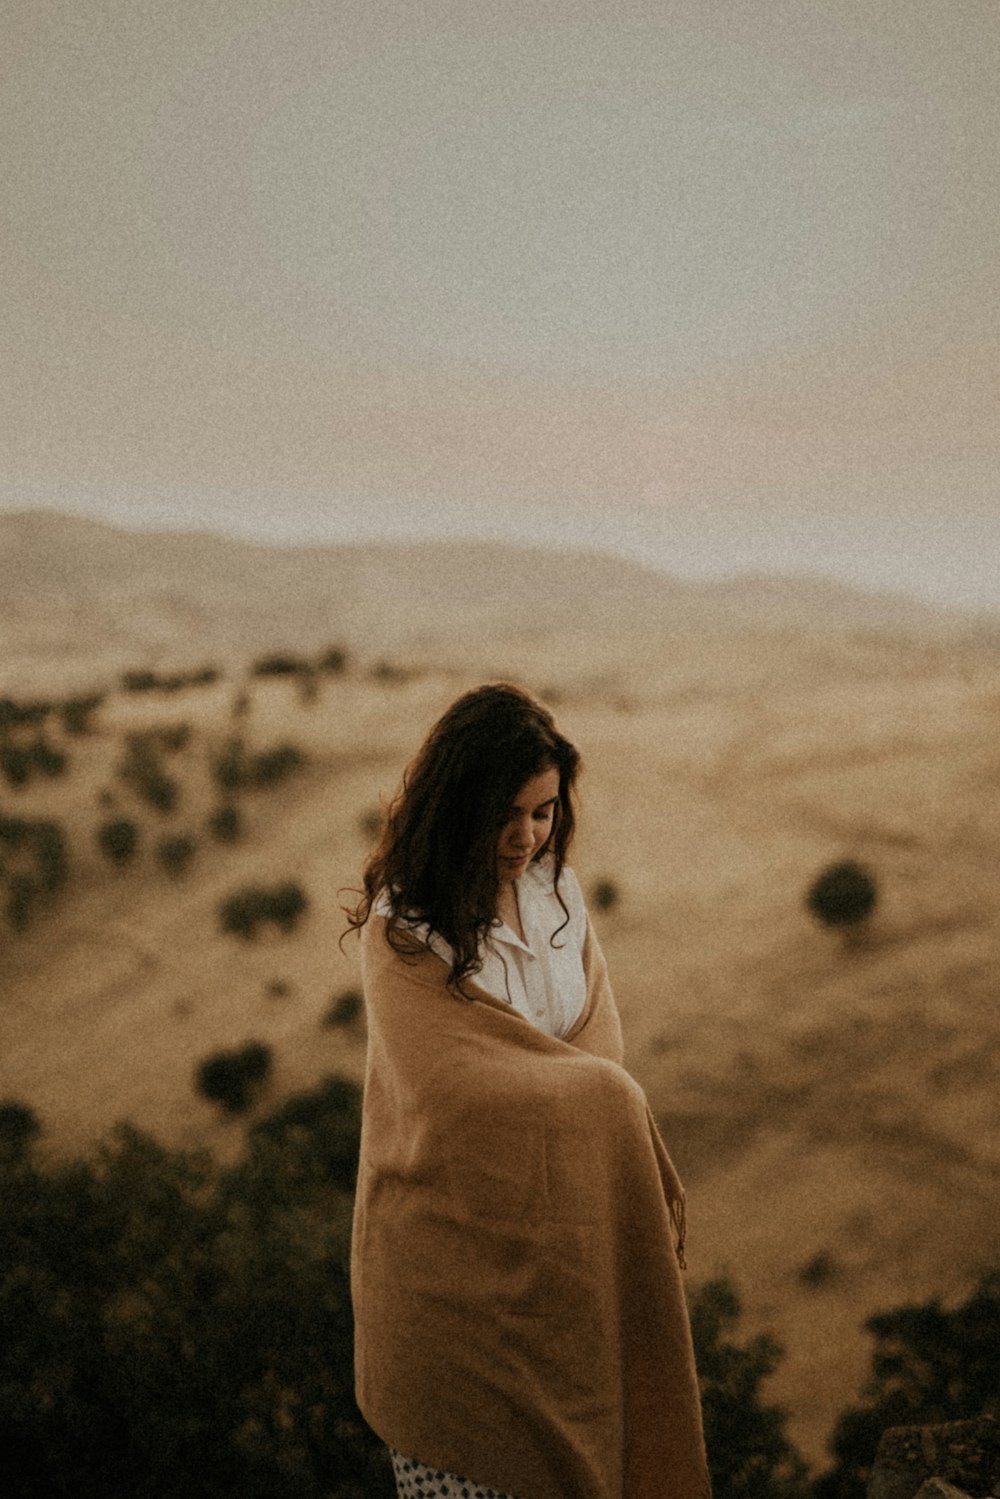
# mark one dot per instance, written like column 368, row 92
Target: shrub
column 178, row 1329
column 843, row 895
column 19, row 1128
column 286, row 904
column 231, row 1078
column 320, row 1131
column 280, row 664
column 51, row 853
column 176, row 852
column 242, row 912
column 139, row 681
column 14, row 714
column 229, row 766
column 333, row 660
column 176, row 737
column 77, row 712
column 142, row 771
column 22, row 892
column 49, row 760
column 118, row 840
column 930, row 1365
column 226, row 823
column 389, row 673
column 819, row 1271
column 47, row 842
column 275, row 765
column 372, row 822
column 15, row 762
column 748, row 1452
column 605, row 894
column 345, row 1008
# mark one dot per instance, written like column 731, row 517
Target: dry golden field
column 831, row 1105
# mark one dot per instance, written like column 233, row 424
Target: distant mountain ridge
column 75, row 585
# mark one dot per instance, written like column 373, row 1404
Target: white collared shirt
column 545, row 983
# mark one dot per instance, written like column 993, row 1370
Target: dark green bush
column 333, row 660
column 179, row 1330
column 77, row 713
column 243, row 911
column 344, row 1009
column 118, row 840
column 46, row 841
column 176, row 852
column 843, row 895
column 749, row 1454
column 14, row 715
column 49, row 760
column 605, row 894
column 139, row 681
column 232, row 1078
column 372, row 822
column 229, row 768
column 274, row 765
column 23, row 891
column 51, row 853
column 280, row 664
column 226, row 823
column 930, row 1364
column 19, row 1128
column 176, row 737
column 142, row 772
column 15, row 762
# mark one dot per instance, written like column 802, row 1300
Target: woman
column 518, row 1229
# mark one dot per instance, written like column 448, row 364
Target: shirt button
column 539, row 1013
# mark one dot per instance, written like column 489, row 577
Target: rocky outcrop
column 957, row 1460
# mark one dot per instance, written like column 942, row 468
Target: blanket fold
column 517, row 1242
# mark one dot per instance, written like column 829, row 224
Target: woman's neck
column 508, row 908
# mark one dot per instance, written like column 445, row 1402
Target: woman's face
column 528, row 824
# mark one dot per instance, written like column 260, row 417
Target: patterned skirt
column 415, row 1480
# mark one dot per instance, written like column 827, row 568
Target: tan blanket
column 518, row 1305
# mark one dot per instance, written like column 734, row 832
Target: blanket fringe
column 678, row 1212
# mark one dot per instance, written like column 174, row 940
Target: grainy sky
column 712, row 284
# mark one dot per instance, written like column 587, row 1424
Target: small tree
column 243, row 911
column 930, row 1364
column 333, row 660
column 232, row 1078
column 226, row 823
column 176, row 852
column 605, row 894
column 49, row 760
column 274, row 765
column 344, row 1009
column 118, row 840
column 51, row 852
column 749, row 1455
column 15, row 763
column 19, row 1128
column 844, row 895
column 280, row 664
column 77, row 712
column 22, row 892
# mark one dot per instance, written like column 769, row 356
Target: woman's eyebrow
column 541, row 805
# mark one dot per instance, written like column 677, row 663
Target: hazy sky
column 713, row 284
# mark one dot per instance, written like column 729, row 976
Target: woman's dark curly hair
column 436, row 858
